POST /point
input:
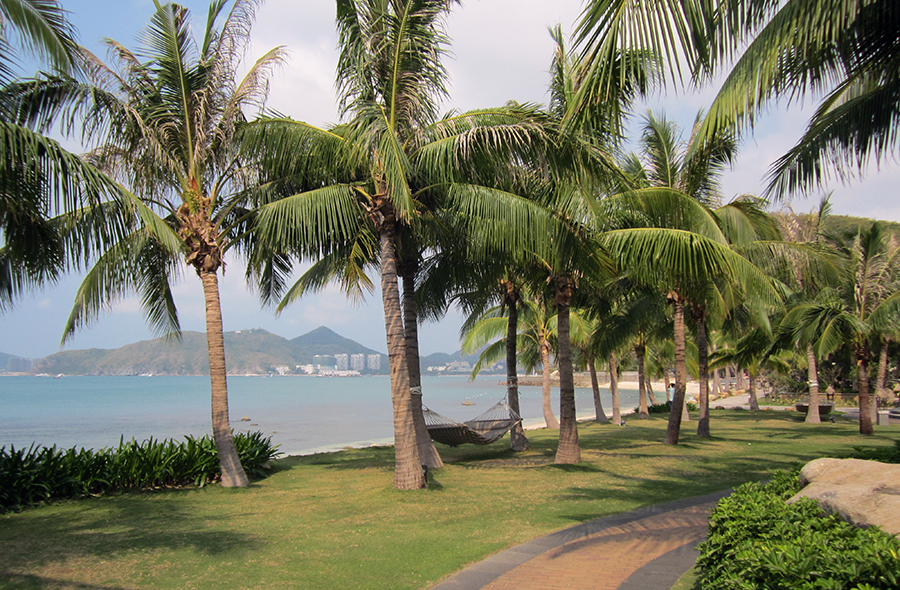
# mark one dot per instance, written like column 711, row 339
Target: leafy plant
column 665, row 408
column 39, row 474
column 758, row 541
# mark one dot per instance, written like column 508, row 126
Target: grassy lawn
column 334, row 520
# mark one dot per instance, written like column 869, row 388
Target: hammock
column 482, row 430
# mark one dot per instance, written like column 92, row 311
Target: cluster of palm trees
column 529, row 209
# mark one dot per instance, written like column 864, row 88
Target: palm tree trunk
column 717, row 382
column 599, row 414
column 428, row 455
column 812, row 374
column 703, row 372
column 673, row 430
column 651, row 397
column 517, row 439
column 614, row 389
column 639, row 351
column 232, row 471
column 754, row 403
column 865, row 410
column 568, row 452
column 549, row 418
column 408, row 473
column 739, row 377
column 881, row 377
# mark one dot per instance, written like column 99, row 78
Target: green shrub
column 883, row 455
column 38, row 474
column 757, row 541
column 665, row 408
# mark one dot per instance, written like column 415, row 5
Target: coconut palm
column 753, row 352
column 863, row 306
column 395, row 164
column 40, row 183
column 166, row 120
column 838, row 49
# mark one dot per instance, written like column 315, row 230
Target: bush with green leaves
column 38, row 474
column 759, row 542
column 665, row 408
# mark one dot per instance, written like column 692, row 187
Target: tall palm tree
column 842, row 50
column 395, row 163
column 166, row 119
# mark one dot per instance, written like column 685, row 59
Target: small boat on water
column 468, row 402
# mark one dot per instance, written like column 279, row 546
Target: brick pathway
column 646, row 549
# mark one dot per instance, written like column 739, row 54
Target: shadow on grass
column 116, row 526
column 26, row 582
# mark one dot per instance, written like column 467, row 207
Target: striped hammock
column 481, row 430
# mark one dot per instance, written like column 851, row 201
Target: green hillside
column 246, row 352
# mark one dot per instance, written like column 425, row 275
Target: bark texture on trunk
column 703, row 372
column 881, row 376
column 233, row 474
column 517, row 439
column 865, row 401
column 812, row 375
column 549, row 419
column 568, row 452
column 640, row 351
column 599, row 414
column 614, row 389
column 408, row 474
column 673, row 430
column 428, row 455
column 650, row 395
column 754, row 403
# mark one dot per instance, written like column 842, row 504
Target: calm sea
column 302, row 414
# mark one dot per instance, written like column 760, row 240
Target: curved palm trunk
column 865, row 410
column 614, row 388
column 673, row 430
column 703, row 372
column 232, row 471
column 427, row 453
column 408, row 473
column 643, row 413
column 650, row 395
column 549, row 418
column 599, row 413
column 568, row 451
column 754, row 403
column 517, row 439
column 881, row 377
column 812, row 374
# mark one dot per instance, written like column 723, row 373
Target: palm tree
column 536, row 333
column 864, row 305
column 167, row 119
column 838, row 49
column 753, row 352
column 395, row 163
column 41, row 184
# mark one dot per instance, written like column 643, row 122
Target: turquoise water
column 302, row 414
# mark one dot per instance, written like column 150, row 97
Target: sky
column 500, row 51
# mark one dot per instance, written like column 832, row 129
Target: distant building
column 324, row 361
column 357, row 362
column 342, row 362
column 373, row 362
column 282, row 369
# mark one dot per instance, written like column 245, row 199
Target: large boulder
column 865, row 493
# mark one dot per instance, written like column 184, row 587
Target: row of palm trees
column 475, row 208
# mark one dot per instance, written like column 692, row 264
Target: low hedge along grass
column 38, row 474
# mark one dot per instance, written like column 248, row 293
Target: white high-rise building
column 342, row 362
column 374, row 362
column 358, row 361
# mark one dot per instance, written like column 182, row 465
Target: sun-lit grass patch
column 334, row 521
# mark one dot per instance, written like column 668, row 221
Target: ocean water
column 302, row 414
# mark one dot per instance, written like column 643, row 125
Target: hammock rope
column 481, row 430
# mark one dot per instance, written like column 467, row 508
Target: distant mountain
column 246, row 352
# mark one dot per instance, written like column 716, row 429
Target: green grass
column 334, row 520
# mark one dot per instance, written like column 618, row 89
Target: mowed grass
column 335, row 521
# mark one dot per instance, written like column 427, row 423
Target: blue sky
column 501, row 51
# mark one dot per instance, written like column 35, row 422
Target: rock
column 865, row 493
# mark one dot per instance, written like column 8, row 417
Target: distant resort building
column 373, row 362
column 342, row 362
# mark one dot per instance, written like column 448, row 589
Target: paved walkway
column 645, row 549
